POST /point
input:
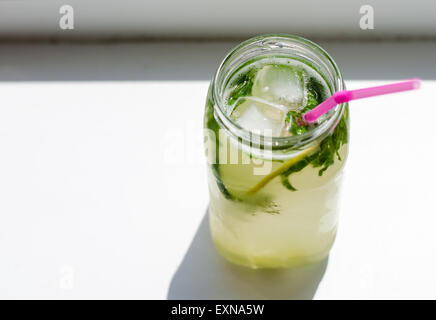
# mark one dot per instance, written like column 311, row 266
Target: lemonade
column 274, row 180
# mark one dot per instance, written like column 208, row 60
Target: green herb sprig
column 329, row 147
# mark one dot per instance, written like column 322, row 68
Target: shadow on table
column 203, row 274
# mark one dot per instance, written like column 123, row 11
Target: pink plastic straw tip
column 416, row 83
column 310, row 117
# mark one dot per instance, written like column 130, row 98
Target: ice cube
column 257, row 115
column 280, row 84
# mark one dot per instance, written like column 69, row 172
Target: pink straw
column 348, row 95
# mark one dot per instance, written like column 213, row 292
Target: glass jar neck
column 271, row 46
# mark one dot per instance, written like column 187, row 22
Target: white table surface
column 94, row 205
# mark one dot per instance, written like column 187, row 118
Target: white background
column 92, row 205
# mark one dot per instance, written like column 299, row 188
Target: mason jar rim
column 286, row 44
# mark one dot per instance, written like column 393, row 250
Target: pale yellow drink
column 292, row 228
column 257, row 220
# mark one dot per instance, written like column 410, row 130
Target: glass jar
column 274, row 201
